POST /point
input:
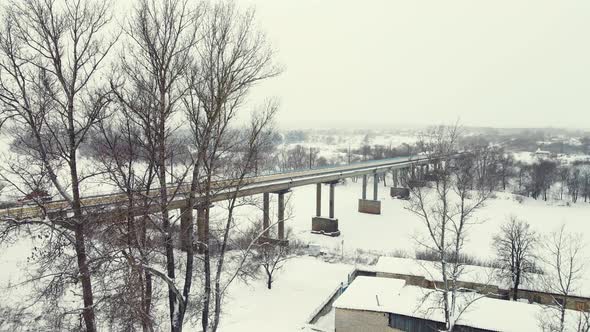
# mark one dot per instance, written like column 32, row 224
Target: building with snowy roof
column 389, row 304
column 482, row 279
column 542, row 154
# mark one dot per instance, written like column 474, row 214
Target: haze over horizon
column 523, row 63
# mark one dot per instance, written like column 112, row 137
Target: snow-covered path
column 300, row 287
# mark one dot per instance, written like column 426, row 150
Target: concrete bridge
column 279, row 184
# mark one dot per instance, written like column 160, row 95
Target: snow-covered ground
column 389, row 232
column 305, row 282
column 300, row 288
column 334, row 147
column 526, row 157
column 396, row 227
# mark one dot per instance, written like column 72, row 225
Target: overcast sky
column 503, row 63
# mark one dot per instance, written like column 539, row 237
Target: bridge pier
column 370, row 206
column 401, row 180
column 266, row 236
column 265, row 214
column 281, row 215
column 187, row 226
column 202, row 228
column 323, row 225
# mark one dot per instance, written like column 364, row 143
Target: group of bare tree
column 497, row 169
column 447, row 207
column 516, row 253
column 537, row 179
column 70, row 78
column 447, row 203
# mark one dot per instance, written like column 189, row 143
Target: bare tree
column 583, row 323
column 232, row 57
column 50, row 54
column 522, row 177
column 271, row 254
column 447, row 211
column 162, row 37
column 124, row 154
column 298, row 157
column 586, row 185
column 563, row 176
column 272, row 257
column 506, row 170
column 564, row 270
column 515, row 246
column 486, row 168
column 574, row 183
column 542, row 176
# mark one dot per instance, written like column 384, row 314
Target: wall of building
column 348, row 320
column 419, row 281
column 573, row 302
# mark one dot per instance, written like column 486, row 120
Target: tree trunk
column 82, row 259
column 207, row 299
column 88, row 297
column 161, row 168
column 516, row 285
column 562, row 317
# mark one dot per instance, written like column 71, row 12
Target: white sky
column 385, row 63
column 504, row 63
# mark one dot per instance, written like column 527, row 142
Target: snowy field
column 305, row 282
column 396, row 227
column 300, row 288
column 392, row 231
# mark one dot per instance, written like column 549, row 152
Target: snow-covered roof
column 542, row 152
column 470, row 273
column 431, row 271
column 393, row 296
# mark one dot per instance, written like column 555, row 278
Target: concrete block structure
column 325, row 225
column 369, row 206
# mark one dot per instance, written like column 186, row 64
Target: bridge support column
column 318, row 200
column 265, row 214
column 375, row 186
column 370, row 206
column 323, row 225
column 332, row 192
column 186, row 227
column 401, row 180
column 364, row 186
column 202, row 227
column 281, row 215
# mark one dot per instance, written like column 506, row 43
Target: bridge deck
column 250, row 186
